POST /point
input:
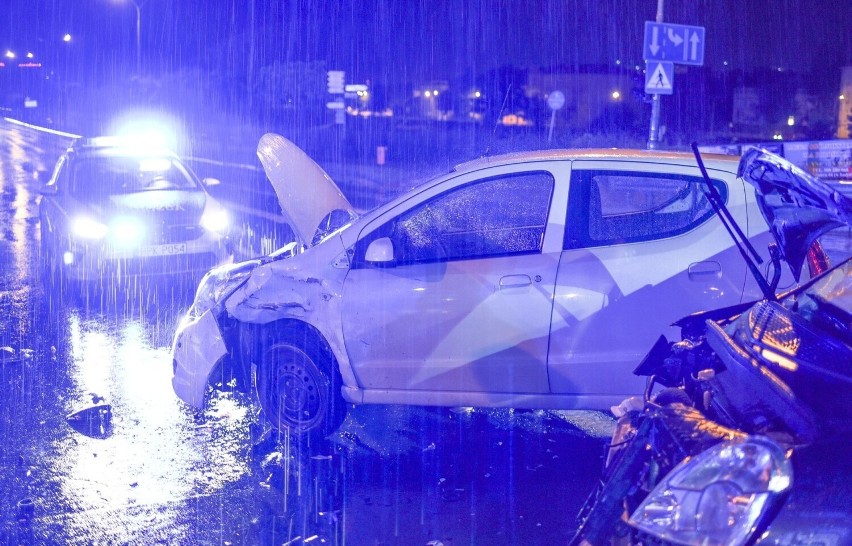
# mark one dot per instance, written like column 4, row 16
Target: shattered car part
column 777, row 373
column 94, row 420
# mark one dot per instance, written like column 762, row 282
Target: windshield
column 122, row 175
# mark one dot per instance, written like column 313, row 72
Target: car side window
column 615, row 207
column 498, row 216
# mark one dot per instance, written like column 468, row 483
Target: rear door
column 642, row 248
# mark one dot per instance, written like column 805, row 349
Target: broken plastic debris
column 634, row 403
column 8, row 355
column 26, row 510
column 26, row 354
column 94, row 421
column 430, row 447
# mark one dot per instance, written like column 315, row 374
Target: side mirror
column 210, row 182
column 380, row 252
column 48, row 189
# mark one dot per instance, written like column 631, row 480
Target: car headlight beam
column 215, row 220
column 126, row 231
column 88, row 228
column 719, row 496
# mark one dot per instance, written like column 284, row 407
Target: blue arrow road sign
column 681, row 44
column 659, row 78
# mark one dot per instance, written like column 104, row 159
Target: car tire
column 53, row 274
column 298, row 386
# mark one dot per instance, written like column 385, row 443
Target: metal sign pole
column 655, row 104
column 555, row 100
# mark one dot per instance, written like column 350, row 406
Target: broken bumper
column 197, row 348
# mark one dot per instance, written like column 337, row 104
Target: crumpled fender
column 289, row 289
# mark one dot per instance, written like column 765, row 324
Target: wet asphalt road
column 154, row 472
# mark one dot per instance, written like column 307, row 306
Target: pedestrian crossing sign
column 659, row 78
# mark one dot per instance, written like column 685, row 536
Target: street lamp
column 138, row 5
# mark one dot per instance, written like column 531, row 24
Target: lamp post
column 138, row 5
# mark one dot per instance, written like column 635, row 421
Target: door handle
column 515, row 281
column 703, row 270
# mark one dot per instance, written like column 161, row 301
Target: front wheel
column 52, row 270
column 298, row 385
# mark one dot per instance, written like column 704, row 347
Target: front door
column 465, row 305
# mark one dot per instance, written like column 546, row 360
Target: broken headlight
column 218, row 284
column 718, row 497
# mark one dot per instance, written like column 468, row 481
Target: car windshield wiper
column 742, row 243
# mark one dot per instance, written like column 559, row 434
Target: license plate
column 164, row 250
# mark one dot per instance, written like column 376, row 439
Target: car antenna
column 740, row 240
column 497, row 121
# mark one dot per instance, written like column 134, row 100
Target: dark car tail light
column 817, row 259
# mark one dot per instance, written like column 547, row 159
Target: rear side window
column 616, row 207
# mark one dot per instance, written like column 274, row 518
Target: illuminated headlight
column 719, row 496
column 126, row 231
column 215, row 220
column 218, row 284
column 88, row 228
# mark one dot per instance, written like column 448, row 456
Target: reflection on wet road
column 137, row 467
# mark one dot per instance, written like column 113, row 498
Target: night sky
column 431, row 39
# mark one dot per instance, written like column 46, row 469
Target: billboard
column 844, row 121
column 827, row 159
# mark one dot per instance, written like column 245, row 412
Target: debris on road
column 94, row 420
column 8, row 355
column 26, row 510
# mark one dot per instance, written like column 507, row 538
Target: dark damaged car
column 750, row 398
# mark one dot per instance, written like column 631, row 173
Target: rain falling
column 381, row 273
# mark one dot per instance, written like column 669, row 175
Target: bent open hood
column 798, row 207
column 307, row 194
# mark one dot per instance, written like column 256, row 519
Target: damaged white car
column 530, row 280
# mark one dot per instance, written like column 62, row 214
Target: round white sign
column 556, row 100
